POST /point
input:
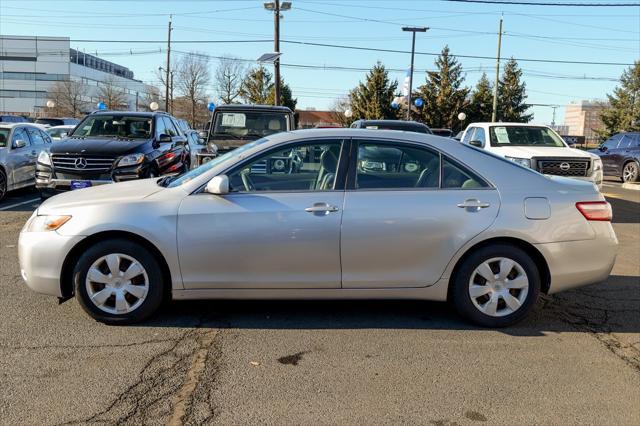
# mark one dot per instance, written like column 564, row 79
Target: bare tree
column 228, row 78
column 153, row 95
column 338, row 109
column 112, row 95
column 69, row 98
column 192, row 78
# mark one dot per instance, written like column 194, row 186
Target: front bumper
column 41, row 256
column 53, row 181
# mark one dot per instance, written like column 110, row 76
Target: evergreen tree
column 257, row 86
column 512, row 96
column 286, row 97
column 623, row 113
column 481, row 101
column 443, row 93
column 372, row 99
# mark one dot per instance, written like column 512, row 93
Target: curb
column 632, row 186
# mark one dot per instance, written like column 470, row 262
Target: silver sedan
column 325, row 214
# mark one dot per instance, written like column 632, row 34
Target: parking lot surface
column 576, row 360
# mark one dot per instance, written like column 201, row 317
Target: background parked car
column 535, row 146
column 60, row 132
column 408, row 126
column 20, row 145
column 50, row 122
column 113, row 146
column 620, row 156
column 12, row 119
column 195, row 144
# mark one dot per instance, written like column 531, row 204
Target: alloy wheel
column 630, row 172
column 498, row 286
column 3, row 185
column 117, row 284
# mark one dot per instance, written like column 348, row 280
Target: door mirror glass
column 603, row 148
column 219, row 185
column 212, row 148
column 164, row 138
column 19, row 143
column 476, row 143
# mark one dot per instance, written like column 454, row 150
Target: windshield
column 211, row 164
column 524, row 136
column 116, row 125
column 249, row 125
column 4, row 137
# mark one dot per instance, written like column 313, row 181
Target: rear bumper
column 578, row 263
column 42, row 255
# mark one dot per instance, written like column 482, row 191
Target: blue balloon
column 419, row 102
column 394, row 105
column 211, row 106
column 101, row 105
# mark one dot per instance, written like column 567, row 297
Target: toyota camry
column 325, row 214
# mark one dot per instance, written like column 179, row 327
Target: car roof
column 12, row 125
column 489, row 123
column 398, row 122
column 62, row 126
column 134, row 113
column 253, row 107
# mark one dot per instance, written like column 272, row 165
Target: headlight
column 130, row 160
column 45, row 223
column 524, row 162
column 44, row 158
column 597, row 164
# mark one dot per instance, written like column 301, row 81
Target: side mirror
column 476, row 143
column 212, row 148
column 63, row 135
column 18, row 143
column 603, row 148
column 219, row 185
column 164, row 138
column 202, row 134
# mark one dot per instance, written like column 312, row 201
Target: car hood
column 116, row 193
column 98, row 146
column 539, row 151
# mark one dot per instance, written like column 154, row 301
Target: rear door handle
column 321, row 208
column 473, row 204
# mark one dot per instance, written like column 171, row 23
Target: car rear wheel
column 496, row 286
column 630, row 172
column 3, row 184
column 118, row 282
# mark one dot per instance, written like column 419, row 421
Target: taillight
column 595, row 210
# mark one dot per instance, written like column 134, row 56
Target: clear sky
column 589, row 34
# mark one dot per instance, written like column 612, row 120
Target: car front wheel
column 630, row 172
column 118, row 282
column 3, row 184
column 496, row 286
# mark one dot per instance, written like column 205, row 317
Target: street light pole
column 167, row 106
column 494, row 109
column 276, row 7
column 413, row 30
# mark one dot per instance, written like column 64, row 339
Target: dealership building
column 31, row 66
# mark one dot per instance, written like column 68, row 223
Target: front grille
column 563, row 166
column 81, row 163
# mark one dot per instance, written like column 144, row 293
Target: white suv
column 535, row 146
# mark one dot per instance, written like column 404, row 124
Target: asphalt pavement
column 576, row 360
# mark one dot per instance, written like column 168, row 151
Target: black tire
column 461, row 282
column 3, row 184
column 630, row 172
column 155, row 292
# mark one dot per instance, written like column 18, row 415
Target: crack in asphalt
column 97, row 346
column 164, row 386
column 581, row 317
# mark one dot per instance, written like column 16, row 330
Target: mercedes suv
column 113, row 146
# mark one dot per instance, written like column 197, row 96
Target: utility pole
column 413, row 30
column 553, row 118
column 276, row 7
column 494, row 112
column 167, row 81
column 276, row 47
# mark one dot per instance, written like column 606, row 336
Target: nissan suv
column 113, row 146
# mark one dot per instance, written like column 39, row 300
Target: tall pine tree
column 258, row 88
column 623, row 113
column 443, row 93
column 372, row 99
column 512, row 96
column 481, row 101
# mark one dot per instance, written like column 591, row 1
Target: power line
column 542, row 3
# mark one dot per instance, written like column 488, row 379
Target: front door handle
column 473, row 204
column 321, row 208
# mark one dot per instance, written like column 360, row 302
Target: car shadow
column 624, row 211
column 611, row 306
column 21, row 200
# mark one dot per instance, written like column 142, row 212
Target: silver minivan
column 20, row 146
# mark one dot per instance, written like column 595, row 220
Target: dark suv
column 620, row 156
column 113, row 146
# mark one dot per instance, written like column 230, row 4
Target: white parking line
column 19, row 204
